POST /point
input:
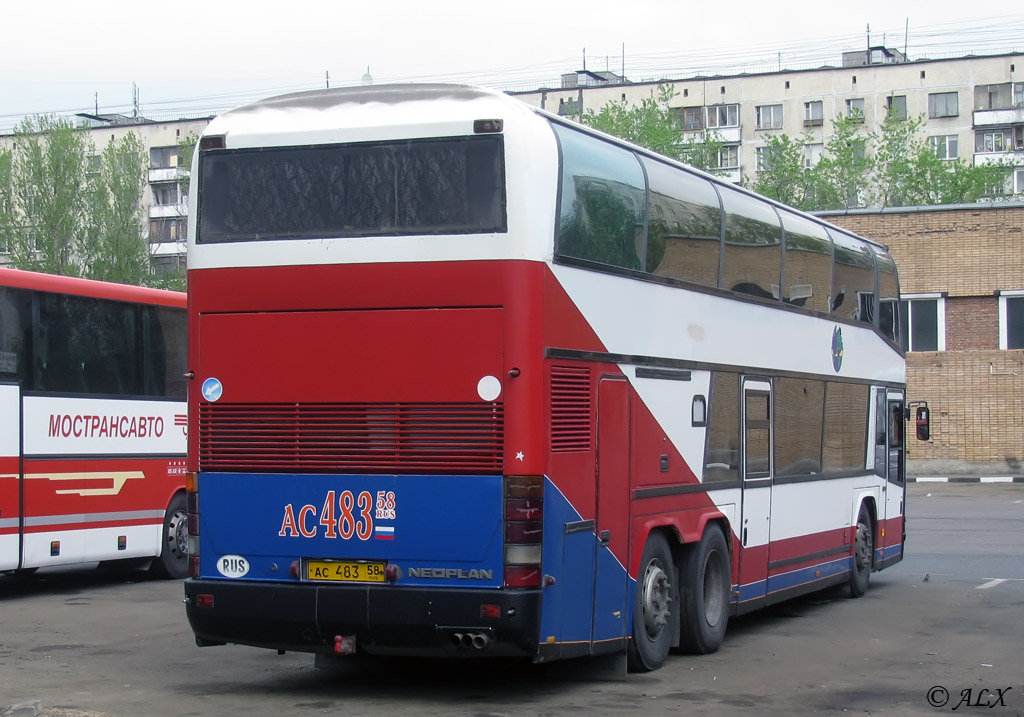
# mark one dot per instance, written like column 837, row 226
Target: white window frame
column 813, row 152
column 855, row 104
column 899, row 103
column 768, row 116
column 814, row 111
column 715, row 116
column 940, row 319
column 947, row 142
column 1018, row 180
column 731, row 149
column 1003, row 333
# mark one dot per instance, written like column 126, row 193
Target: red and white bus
column 92, row 424
column 471, row 379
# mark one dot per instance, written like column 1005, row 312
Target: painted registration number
column 346, row 571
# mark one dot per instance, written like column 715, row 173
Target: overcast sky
column 189, row 57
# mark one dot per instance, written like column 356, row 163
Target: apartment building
column 973, row 106
column 164, row 203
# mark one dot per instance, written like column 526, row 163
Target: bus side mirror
column 923, row 421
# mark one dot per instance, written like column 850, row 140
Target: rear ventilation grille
column 570, row 409
column 334, row 438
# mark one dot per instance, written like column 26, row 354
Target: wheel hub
column 656, row 599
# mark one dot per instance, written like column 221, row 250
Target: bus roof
column 19, row 279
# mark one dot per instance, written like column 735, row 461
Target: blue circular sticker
column 212, row 389
column 837, row 349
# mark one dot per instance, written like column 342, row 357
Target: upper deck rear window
column 432, row 186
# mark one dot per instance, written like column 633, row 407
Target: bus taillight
column 192, row 510
column 524, row 530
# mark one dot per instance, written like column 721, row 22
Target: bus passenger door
column 612, row 528
column 756, row 465
column 10, row 476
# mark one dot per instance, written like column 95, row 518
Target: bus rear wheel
column 706, row 582
column 172, row 562
column 654, row 607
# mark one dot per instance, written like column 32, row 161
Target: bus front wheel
column 707, row 580
column 863, row 554
column 173, row 559
column 655, row 605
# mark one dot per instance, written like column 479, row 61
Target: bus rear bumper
column 307, row 617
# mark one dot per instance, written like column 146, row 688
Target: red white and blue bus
column 471, row 379
column 92, row 424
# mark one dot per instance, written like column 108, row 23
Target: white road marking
column 990, row 584
column 998, row 581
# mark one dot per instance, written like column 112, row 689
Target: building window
column 729, row 157
column 814, row 113
column 943, row 104
column 993, row 140
column 855, row 108
column 166, row 230
column 690, row 118
column 812, row 154
column 165, row 193
column 925, row 315
column 945, row 146
column 896, row 106
column 723, row 116
column 1011, row 320
column 164, row 157
column 1018, row 180
column 769, row 116
column 999, row 97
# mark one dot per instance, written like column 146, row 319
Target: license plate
column 345, row 571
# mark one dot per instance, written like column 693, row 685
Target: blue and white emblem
column 213, row 389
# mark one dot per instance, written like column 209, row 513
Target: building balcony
column 998, row 118
column 170, row 248
column 728, row 134
column 168, row 211
column 1016, row 158
column 733, row 175
column 167, row 174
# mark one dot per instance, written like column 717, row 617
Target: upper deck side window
column 602, row 201
column 684, row 229
column 853, row 281
column 808, row 263
column 888, row 298
column 752, row 260
column 453, row 185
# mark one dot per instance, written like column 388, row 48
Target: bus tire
column 654, row 607
column 172, row 563
column 863, row 554
column 706, row 583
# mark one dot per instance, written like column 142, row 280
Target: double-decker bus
column 92, row 424
column 472, row 379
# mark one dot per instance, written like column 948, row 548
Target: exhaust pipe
column 481, row 640
column 467, row 640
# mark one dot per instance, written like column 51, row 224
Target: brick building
column 962, row 289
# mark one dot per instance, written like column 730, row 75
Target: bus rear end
column 352, row 488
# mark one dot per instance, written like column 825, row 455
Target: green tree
column 842, row 177
column 782, row 175
column 121, row 252
column 186, row 150
column 654, row 125
column 64, row 209
column 50, row 190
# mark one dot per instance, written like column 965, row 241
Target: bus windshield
column 451, row 185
